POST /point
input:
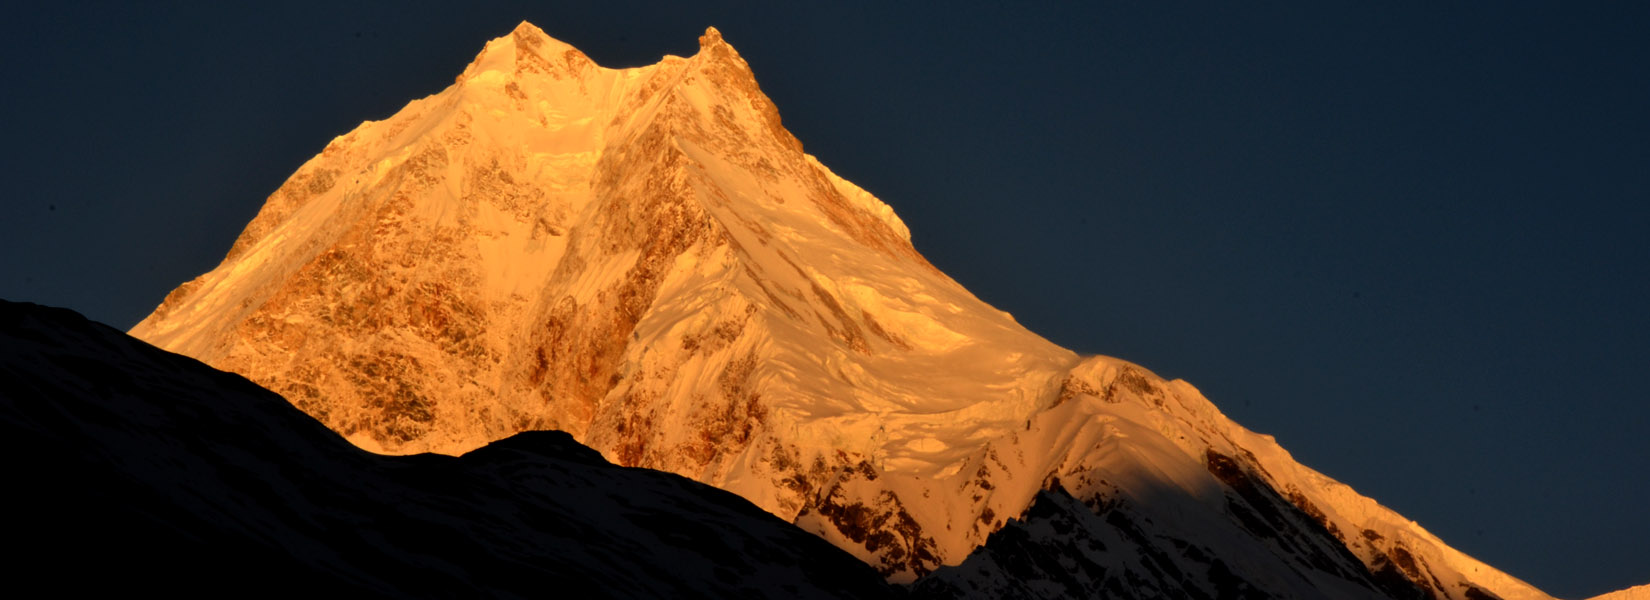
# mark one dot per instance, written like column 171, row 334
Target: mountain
column 135, row 468
column 1637, row 592
column 646, row 259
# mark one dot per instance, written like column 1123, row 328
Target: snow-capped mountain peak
column 528, row 49
column 647, row 259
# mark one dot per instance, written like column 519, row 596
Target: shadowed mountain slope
column 132, row 468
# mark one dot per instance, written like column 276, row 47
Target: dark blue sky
column 1411, row 243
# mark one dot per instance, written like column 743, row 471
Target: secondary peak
column 711, row 38
column 525, row 28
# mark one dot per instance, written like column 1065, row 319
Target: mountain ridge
column 158, row 472
column 666, row 275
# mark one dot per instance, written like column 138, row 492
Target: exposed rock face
column 646, row 259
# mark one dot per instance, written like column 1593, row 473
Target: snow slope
column 646, row 259
column 1154, row 473
column 1637, row 592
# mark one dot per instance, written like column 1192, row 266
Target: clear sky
column 1411, row 243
